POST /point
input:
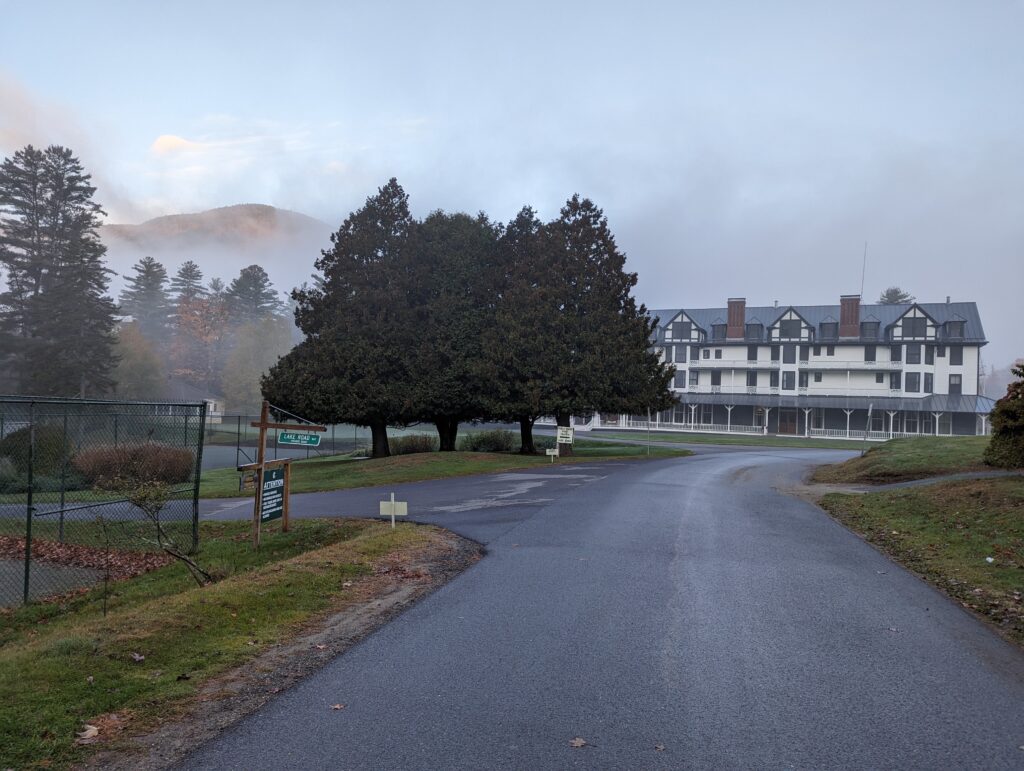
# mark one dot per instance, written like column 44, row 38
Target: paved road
column 682, row 603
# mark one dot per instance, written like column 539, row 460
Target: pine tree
column 251, row 296
column 895, row 296
column 55, row 305
column 187, row 283
column 145, row 298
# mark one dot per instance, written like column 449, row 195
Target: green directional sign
column 272, row 494
column 302, row 440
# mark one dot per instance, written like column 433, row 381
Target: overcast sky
column 738, row 149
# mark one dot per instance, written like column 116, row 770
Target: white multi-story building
column 824, row 370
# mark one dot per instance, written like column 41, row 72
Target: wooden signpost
column 273, row 477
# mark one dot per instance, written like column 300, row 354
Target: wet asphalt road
column 682, row 603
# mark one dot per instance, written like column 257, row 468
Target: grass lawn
column 901, row 459
column 752, row 440
column 319, row 474
column 64, row 664
column 945, row 532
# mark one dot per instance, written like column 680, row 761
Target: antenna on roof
column 863, row 268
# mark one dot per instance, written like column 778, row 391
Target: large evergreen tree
column 251, row 296
column 353, row 366
column 895, row 296
column 55, row 313
column 146, row 300
column 1006, row 447
column 187, row 284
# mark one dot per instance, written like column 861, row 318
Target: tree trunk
column 564, row 419
column 379, row 431
column 447, row 431
column 527, row 446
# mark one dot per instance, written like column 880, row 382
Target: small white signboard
column 553, row 453
column 394, row 509
column 564, row 434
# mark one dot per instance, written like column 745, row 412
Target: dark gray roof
column 815, row 314
column 979, row 405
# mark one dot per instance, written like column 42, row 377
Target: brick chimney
column 736, row 321
column 849, row 315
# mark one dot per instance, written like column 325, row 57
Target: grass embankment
column 63, row 665
column 900, row 460
column 750, row 440
column 945, row 532
column 321, row 474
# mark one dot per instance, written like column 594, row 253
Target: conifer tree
column 187, row 284
column 251, row 296
column 145, row 298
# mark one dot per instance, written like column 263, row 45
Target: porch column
column 984, row 428
column 936, row 416
column 693, row 415
column 807, row 420
column 892, row 418
column 767, row 412
column 848, row 414
column 728, row 417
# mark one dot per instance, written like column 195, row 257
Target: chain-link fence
column 88, row 487
column 231, row 441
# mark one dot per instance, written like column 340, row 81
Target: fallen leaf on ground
column 659, row 747
column 320, row 647
column 337, row 706
column 87, row 734
column 137, row 657
column 89, row 680
column 347, row 584
column 578, row 742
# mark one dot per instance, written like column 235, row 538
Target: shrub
column 51, row 449
column 1006, row 447
column 413, row 443
column 542, row 443
column 497, row 440
column 115, row 467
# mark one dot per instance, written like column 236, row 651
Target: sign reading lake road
column 272, row 494
column 295, row 438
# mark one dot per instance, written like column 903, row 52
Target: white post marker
column 393, row 509
column 553, row 453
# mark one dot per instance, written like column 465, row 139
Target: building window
column 955, row 330
column 940, row 351
column 929, row 354
column 789, row 354
column 718, row 353
column 788, row 381
column 829, row 330
column 817, row 377
column 680, row 356
column 956, row 355
column 956, row 384
column 879, row 377
column 817, row 350
column 775, row 353
column 928, row 382
column 895, row 379
column 914, row 327
column 755, row 331
column 716, row 377
column 895, row 353
column 694, row 378
column 830, row 350
column 773, row 378
column 705, row 353
column 869, row 353
column 910, row 422
column 681, row 330
column 694, row 353
column 914, row 353
column 913, row 383
column 869, row 330
column 718, row 331
column 679, row 381
column 751, row 353
column 818, row 418
column 790, row 329
column 752, row 377
column 707, row 414
column 802, row 380
column 681, row 414
column 805, row 351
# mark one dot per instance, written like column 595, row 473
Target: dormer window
column 869, row 330
column 680, row 330
column 790, row 329
column 718, row 331
column 915, row 326
column 755, row 331
column 955, row 329
column 829, row 330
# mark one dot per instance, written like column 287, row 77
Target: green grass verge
column 899, row 460
column 751, row 440
column 945, row 532
column 319, row 474
column 49, row 651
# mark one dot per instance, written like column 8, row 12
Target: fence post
column 198, row 479
column 238, row 442
column 115, row 429
column 28, row 507
column 63, row 476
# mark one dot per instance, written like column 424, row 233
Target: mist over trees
column 456, row 318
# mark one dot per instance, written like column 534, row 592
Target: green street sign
column 302, row 440
column 272, row 494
